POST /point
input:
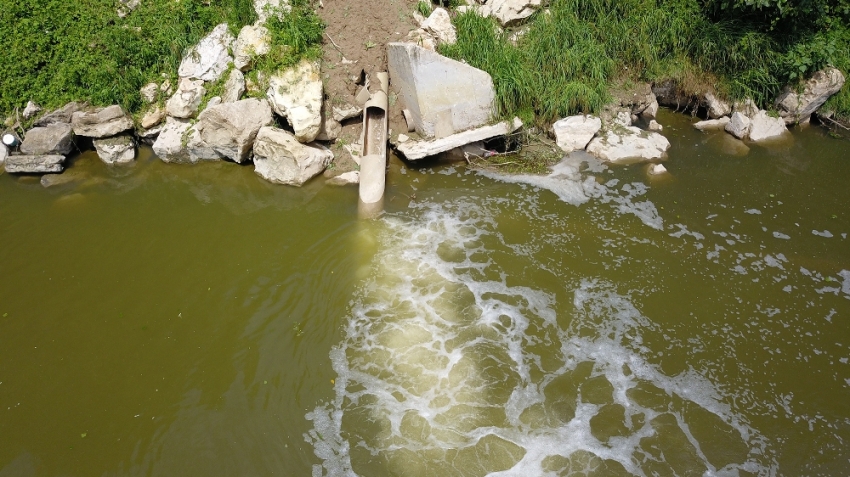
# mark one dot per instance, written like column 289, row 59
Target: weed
column 423, row 7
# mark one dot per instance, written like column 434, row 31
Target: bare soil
column 355, row 41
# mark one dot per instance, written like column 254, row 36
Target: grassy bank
column 569, row 58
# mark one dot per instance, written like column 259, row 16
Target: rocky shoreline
column 291, row 127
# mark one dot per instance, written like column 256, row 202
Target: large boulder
column 763, row 127
column 230, row 128
column 234, row 87
column 197, row 148
column 738, row 125
column 41, row 164
column 187, row 99
column 103, row 122
column 57, row 138
column 170, row 145
column 628, row 144
column 119, row 149
column 280, row 158
column 798, row 107
column 439, row 25
column 716, row 108
column 296, row 94
column 510, row 12
column 444, row 96
column 575, row 132
column 253, row 41
column 210, row 57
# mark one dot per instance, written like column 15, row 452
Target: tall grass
column 571, row 56
column 57, row 51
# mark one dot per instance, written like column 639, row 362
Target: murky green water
column 194, row 320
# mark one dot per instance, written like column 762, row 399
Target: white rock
column 420, row 37
column 421, row 77
column 402, row 138
column 716, row 107
column 575, row 132
column 330, row 130
column 170, row 145
column 119, row 149
column 266, row 7
column 738, row 125
column 657, row 169
column 4, row 153
column 280, row 158
column 230, row 128
column 510, row 12
column 651, row 111
column 623, row 118
column 187, row 99
column 210, row 57
column 102, row 122
column 296, row 94
column 214, row 101
column 346, row 178
column 253, row 41
column 152, row 117
column 439, row 24
column 654, row 126
column 628, row 144
column 765, row 127
column 346, row 111
column 31, row 110
column 149, row 92
column 710, row 124
column 234, row 87
column 414, row 150
column 798, row 107
column 197, row 148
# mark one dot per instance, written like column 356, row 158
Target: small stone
column 347, row 178
column 31, row 110
column 654, row 126
column 149, row 92
column 657, row 169
column 403, row 138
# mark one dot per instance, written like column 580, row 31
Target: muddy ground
column 355, row 41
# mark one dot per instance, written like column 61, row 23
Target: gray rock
column 765, row 127
column 210, row 57
column 127, row 6
column 651, row 111
column 170, row 145
column 31, row 110
column 710, row 124
column 54, row 139
column 149, row 92
column 716, row 107
column 62, row 115
column 4, row 153
column 231, row 128
column 119, row 149
column 43, row 164
column 346, row 111
column 798, row 107
column 105, row 122
column 738, row 125
column 330, row 129
column 668, row 94
column 296, row 94
column 186, row 100
column 575, row 132
column 346, row 178
column 234, row 87
column 439, row 25
column 510, row 12
column 746, row 107
column 253, row 41
column 53, row 180
column 628, row 144
column 655, row 126
column 420, row 76
column 197, row 148
column 280, row 158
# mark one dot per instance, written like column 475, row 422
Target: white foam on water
column 573, row 187
column 447, row 367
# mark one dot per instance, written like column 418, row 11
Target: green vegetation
column 569, row 58
column 56, row 51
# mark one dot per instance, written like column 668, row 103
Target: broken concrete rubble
column 414, row 150
column 420, row 77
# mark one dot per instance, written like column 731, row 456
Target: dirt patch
column 355, row 40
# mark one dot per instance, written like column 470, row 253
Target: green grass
column 571, row 57
column 56, row 51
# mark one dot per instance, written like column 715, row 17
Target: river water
column 195, row 320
